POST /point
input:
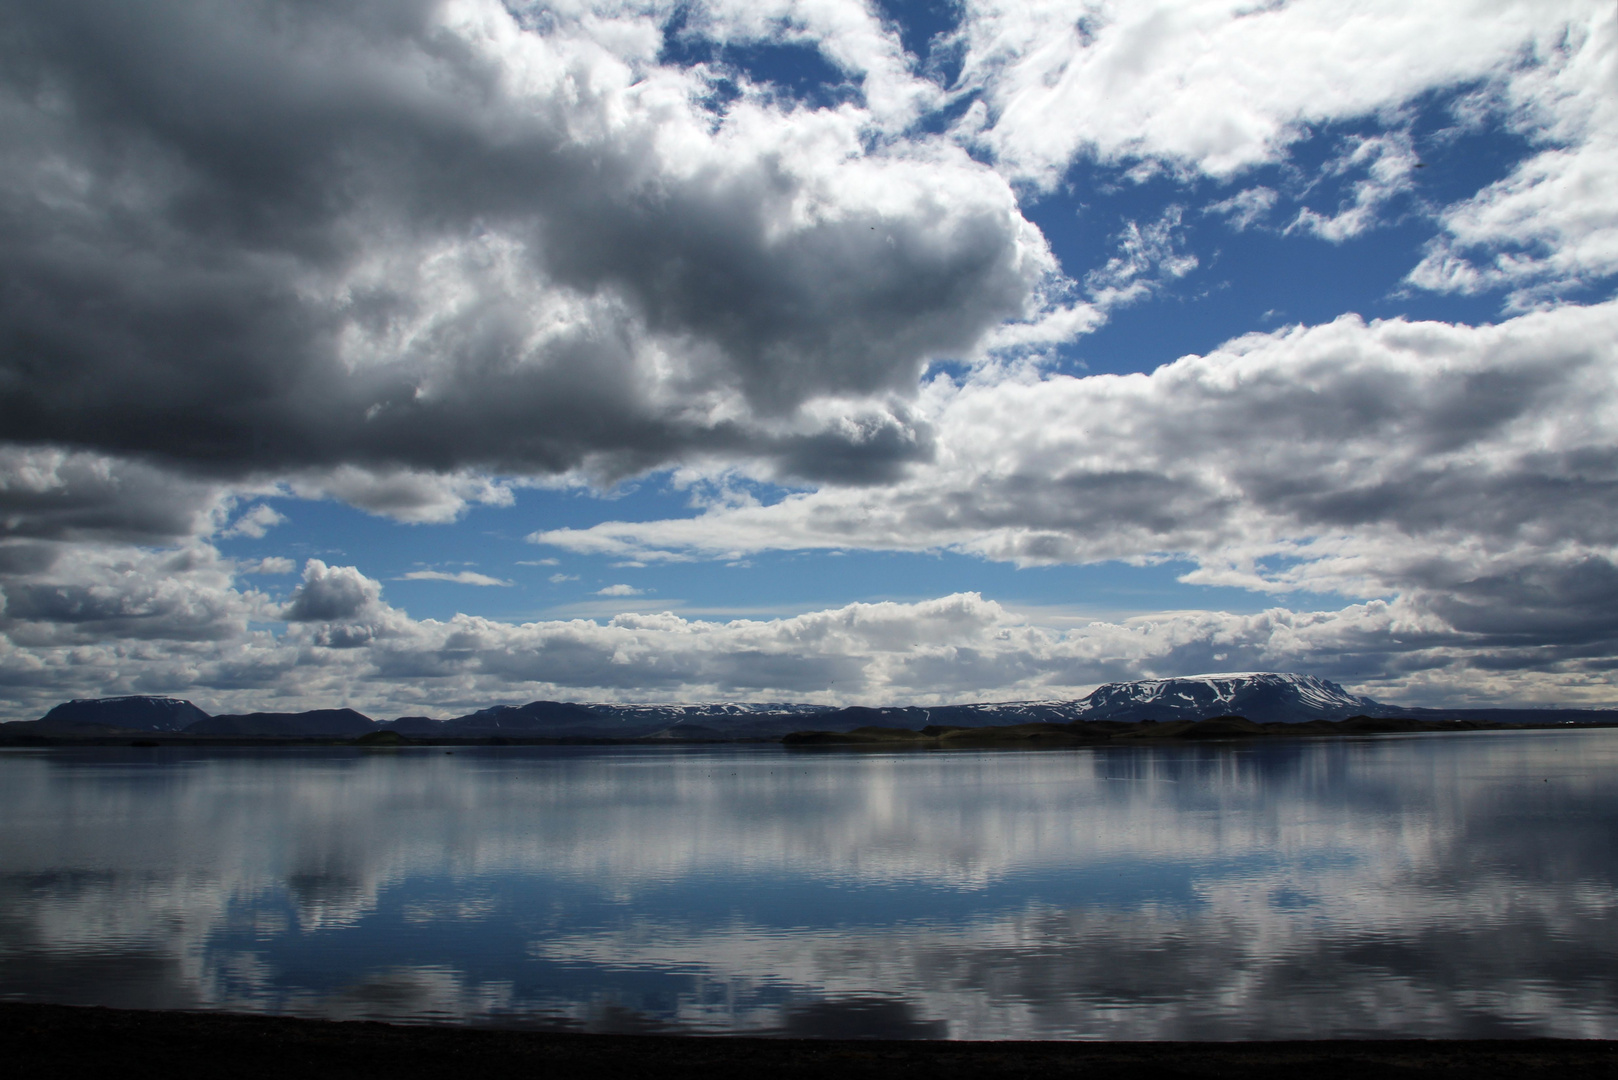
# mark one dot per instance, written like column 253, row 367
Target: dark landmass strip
column 175, row 722
column 286, row 729
column 58, row 1041
column 1081, row 732
column 1232, row 706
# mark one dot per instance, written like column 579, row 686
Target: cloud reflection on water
column 1427, row 886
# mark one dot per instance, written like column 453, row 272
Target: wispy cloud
column 460, row 577
column 1245, row 207
column 271, row 565
column 256, row 522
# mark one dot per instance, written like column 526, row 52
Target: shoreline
column 1080, row 734
column 56, row 1040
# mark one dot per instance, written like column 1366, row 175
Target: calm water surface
column 1459, row 885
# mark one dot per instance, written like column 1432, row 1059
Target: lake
column 1437, row 886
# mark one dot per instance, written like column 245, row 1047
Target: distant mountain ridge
column 535, row 720
column 1263, row 697
column 314, row 724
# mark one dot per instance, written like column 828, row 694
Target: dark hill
column 415, row 726
column 137, row 713
column 314, row 724
column 1223, row 727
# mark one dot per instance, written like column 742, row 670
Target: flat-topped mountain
column 134, row 713
column 1262, row 696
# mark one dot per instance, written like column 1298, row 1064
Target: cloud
column 851, row 36
column 272, row 565
column 619, row 590
column 558, row 578
column 1147, row 256
column 1550, row 227
column 352, row 646
column 1389, row 160
column 462, row 577
column 1429, row 459
column 48, row 493
column 1246, row 207
column 1058, row 324
column 1217, row 87
column 256, row 522
column 413, row 496
column 372, row 243
column 1454, row 482
column 416, row 256
column 332, row 594
column 412, row 277
column 1204, row 86
column 85, row 595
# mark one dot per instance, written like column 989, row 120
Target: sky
column 423, row 355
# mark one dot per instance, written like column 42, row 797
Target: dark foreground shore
column 57, row 1041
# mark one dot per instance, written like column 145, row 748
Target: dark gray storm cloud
column 276, row 235
column 51, row 495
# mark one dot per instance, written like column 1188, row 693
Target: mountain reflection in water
column 1457, row 885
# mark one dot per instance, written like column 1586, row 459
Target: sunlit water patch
column 1458, row 885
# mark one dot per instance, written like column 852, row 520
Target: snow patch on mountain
column 1261, row 696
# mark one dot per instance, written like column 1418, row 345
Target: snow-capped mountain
column 1264, row 697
